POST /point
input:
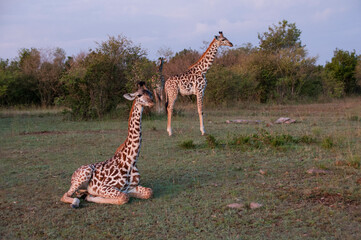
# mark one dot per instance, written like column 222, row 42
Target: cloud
column 324, row 14
column 73, row 24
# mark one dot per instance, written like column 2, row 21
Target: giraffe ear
column 216, row 37
column 129, row 96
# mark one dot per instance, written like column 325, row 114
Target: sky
column 77, row 25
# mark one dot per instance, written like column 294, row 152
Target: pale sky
column 75, row 25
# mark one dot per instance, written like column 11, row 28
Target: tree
column 96, row 81
column 358, row 71
column 51, row 69
column 285, row 67
column 342, row 68
column 285, row 35
column 181, row 62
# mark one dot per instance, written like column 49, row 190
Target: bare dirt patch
column 332, row 199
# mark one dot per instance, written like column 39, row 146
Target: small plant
column 211, row 141
column 354, row 161
column 354, row 118
column 188, row 144
column 253, row 141
column 307, row 139
column 265, row 138
column 327, row 143
column 316, row 131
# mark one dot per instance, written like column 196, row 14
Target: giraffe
column 115, row 180
column 158, row 85
column 193, row 81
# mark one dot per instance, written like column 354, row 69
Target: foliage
column 284, row 36
column 180, row 62
column 227, row 85
column 211, row 141
column 327, row 142
column 34, row 79
column 96, row 81
column 91, row 83
column 187, row 144
column 18, row 81
column 264, row 139
column 342, row 69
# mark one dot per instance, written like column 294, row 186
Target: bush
column 96, row 82
column 211, row 141
column 188, row 144
column 327, row 143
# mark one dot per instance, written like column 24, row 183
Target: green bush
column 188, row 144
column 211, row 141
column 327, row 143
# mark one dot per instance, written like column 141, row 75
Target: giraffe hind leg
column 200, row 113
column 109, row 195
column 170, row 105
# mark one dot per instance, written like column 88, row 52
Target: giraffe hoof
column 75, row 203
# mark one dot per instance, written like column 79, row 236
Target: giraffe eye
column 139, row 95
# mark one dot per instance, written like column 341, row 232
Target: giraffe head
column 223, row 41
column 161, row 61
column 142, row 96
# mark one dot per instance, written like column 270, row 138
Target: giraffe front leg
column 200, row 112
column 141, row 192
column 170, row 112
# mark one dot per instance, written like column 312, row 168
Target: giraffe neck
column 206, row 60
column 160, row 68
column 131, row 146
column 135, row 125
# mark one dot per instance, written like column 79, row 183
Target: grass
column 192, row 184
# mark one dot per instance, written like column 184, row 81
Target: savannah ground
column 194, row 178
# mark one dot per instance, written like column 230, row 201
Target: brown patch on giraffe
column 118, row 186
column 115, row 174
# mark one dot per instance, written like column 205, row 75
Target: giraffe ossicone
column 193, row 81
column 115, row 180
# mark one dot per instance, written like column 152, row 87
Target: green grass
column 192, row 185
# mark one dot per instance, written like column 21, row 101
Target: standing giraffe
column 115, row 180
column 193, row 81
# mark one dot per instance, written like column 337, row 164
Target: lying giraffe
column 115, row 180
column 193, row 81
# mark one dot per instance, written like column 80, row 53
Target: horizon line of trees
column 92, row 83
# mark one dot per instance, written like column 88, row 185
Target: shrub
column 211, row 141
column 327, row 143
column 187, row 144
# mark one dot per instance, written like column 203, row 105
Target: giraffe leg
column 109, row 195
column 141, row 192
column 170, row 106
column 79, row 180
column 200, row 112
